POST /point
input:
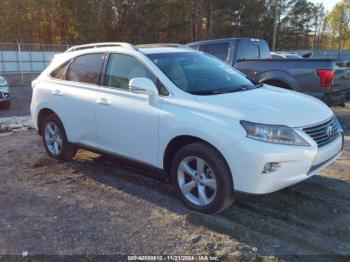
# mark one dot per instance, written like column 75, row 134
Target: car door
column 127, row 123
column 74, row 90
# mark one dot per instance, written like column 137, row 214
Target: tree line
column 299, row 24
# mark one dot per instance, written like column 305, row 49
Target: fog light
column 270, row 167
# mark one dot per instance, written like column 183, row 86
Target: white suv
column 209, row 127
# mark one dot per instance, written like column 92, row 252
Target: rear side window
column 122, row 68
column 86, row 69
column 264, row 50
column 219, row 50
column 247, row 50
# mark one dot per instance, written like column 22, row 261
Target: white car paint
column 4, row 89
column 141, row 127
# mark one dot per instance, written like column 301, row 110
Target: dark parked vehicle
column 4, row 94
column 327, row 79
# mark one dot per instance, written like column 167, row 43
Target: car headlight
column 273, row 134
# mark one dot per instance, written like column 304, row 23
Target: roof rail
column 164, row 45
column 97, row 45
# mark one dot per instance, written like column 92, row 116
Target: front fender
column 220, row 133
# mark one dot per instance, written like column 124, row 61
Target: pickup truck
column 326, row 79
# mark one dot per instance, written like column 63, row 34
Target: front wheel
column 55, row 139
column 202, row 178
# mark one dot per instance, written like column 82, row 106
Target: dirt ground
column 95, row 205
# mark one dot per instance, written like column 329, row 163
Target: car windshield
column 201, row 74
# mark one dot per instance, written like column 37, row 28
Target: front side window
column 219, row 50
column 86, row 69
column 122, row 68
column 200, row 74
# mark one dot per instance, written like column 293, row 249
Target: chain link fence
column 21, row 63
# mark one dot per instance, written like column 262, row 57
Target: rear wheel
column 202, row 178
column 55, row 139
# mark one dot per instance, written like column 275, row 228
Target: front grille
column 325, row 132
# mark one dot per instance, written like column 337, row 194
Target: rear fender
column 281, row 76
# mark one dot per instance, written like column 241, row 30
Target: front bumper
column 295, row 163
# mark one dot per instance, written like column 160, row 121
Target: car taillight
column 326, row 77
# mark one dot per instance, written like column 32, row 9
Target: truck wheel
column 202, row 179
column 55, row 139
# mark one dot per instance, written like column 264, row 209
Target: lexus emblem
column 330, row 130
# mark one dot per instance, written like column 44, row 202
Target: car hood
column 269, row 105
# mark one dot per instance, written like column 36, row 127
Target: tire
column 215, row 167
column 66, row 150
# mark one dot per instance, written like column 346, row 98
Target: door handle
column 103, row 101
column 57, row 92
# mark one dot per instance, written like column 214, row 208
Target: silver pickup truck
column 326, row 79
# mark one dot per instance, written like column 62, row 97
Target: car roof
column 157, row 50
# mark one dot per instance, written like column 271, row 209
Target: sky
column 328, row 4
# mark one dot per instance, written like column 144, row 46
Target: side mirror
column 142, row 85
column 307, row 55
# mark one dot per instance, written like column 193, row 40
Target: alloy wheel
column 197, row 181
column 53, row 138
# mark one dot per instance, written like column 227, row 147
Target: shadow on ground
column 308, row 218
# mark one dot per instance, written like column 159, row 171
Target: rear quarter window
column 60, row 72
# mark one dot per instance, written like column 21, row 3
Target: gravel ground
column 20, row 102
column 95, row 205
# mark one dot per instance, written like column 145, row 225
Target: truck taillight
column 326, row 77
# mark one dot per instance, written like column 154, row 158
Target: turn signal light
column 326, row 77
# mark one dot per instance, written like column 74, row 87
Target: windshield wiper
column 254, row 82
column 219, row 91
